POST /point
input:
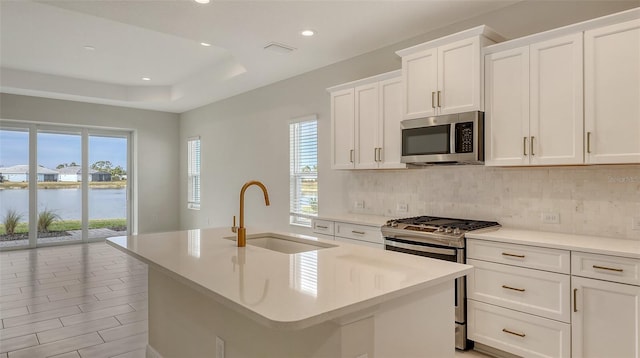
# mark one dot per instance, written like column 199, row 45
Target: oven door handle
column 421, row 248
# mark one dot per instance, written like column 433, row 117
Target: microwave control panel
column 464, row 137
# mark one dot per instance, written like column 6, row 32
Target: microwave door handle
column 452, row 138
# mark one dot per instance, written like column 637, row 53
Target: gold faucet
column 241, row 230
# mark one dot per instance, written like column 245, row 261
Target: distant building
column 74, row 174
column 20, row 173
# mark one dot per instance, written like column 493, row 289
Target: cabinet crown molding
column 482, row 30
column 364, row 81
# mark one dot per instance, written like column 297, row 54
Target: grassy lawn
column 73, row 225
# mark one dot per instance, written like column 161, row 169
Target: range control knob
column 456, row 231
column 440, row 229
column 448, row 230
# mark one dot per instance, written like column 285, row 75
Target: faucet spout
column 242, row 231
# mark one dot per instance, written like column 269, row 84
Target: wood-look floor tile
column 13, row 312
column 113, row 348
column 12, row 344
column 93, row 315
column 25, row 329
column 140, row 305
column 93, row 306
column 134, row 316
column 38, row 291
column 4, row 291
column 129, row 284
column 73, row 354
column 58, row 347
column 77, row 329
column 79, row 293
column 86, row 285
column 61, row 303
column 123, row 331
column 140, row 353
column 25, row 302
column 123, row 292
column 41, row 316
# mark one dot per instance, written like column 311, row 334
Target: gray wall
column 155, row 138
column 246, row 137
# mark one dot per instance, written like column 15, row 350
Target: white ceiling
column 42, row 44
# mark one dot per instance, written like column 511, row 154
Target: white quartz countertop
column 583, row 243
column 287, row 291
column 358, row 219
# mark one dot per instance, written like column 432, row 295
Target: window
column 193, row 173
column 303, row 170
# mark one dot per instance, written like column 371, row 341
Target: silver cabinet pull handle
column 607, row 268
column 351, row 155
column 575, row 300
column 322, row 227
column 433, row 100
column 532, row 138
column 588, row 142
column 439, row 99
column 514, row 333
column 380, row 154
column 513, row 255
column 375, row 154
column 357, row 232
column 524, row 146
column 513, row 288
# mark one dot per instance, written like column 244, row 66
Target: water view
column 67, row 204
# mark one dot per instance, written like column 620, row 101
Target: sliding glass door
column 62, row 184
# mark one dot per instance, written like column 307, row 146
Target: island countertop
column 287, row 291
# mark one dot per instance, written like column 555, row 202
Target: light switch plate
column 358, row 204
column 402, row 208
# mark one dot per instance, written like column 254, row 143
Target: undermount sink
column 283, row 243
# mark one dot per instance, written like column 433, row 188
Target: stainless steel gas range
column 438, row 238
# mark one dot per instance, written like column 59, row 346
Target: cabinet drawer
column 322, row 226
column 518, row 333
column 520, row 255
column 359, row 232
column 542, row 293
column 605, row 267
column 360, row 242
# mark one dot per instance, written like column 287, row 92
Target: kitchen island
column 208, row 297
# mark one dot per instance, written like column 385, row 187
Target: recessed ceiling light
column 146, row 79
column 89, row 48
column 205, row 44
column 307, row 33
column 202, row 1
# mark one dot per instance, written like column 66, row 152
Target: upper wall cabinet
column 612, row 93
column 365, row 123
column 534, row 104
column 445, row 76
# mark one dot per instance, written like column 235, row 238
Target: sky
column 55, row 148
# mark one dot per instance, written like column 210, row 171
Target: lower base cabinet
column 605, row 319
column 516, row 332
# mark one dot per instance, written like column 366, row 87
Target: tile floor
column 85, row 300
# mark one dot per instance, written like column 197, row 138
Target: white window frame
column 194, row 180
column 296, row 215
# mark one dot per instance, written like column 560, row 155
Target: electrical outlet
column 551, row 218
column 219, row 347
column 358, row 204
column 402, row 208
column 635, row 223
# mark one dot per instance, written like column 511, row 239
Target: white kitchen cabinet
column 605, row 319
column 445, row 76
column 342, row 129
column 359, row 234
column 534, row 104
column 612, row 93
column 365, row 123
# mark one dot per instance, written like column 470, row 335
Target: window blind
column 303, row 169
column 193, row 173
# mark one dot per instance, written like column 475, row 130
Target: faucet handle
column 234, row 228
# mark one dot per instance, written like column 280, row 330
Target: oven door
column 436, row 252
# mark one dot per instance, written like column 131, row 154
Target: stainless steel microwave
column 447, row 139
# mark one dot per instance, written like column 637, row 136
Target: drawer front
column 322, row 226
column 360, row 242
column 605, row 267
column 542, row 293
column 540, row 258
column 359, row 232
column 516, row 332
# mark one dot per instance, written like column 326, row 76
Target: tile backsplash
column 590, row 200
